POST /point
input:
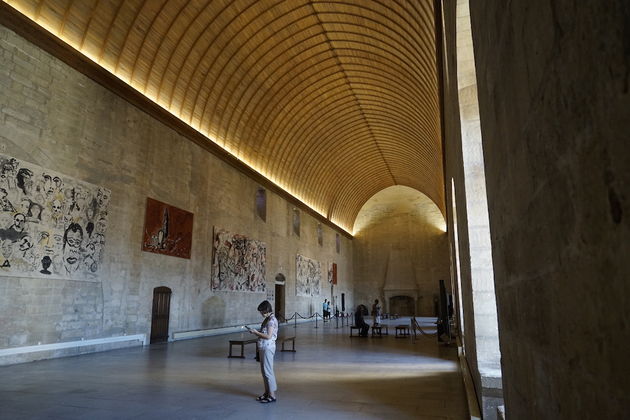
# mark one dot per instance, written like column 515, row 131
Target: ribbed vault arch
column 332, row 100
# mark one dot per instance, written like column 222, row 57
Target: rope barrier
column 345, row 317
column 416, row 325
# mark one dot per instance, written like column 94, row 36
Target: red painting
column 167, row 230
column 332, row 273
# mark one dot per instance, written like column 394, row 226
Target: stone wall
column 456, row 196
column 553, row 83
column 400, row 231
column 57, row 118
column 467, row 201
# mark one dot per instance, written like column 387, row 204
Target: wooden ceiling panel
column 334, row 100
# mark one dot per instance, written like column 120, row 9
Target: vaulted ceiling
column 331, row 100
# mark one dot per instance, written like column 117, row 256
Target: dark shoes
column 261, row 397
column 268, row 400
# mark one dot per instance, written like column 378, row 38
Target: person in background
column 376, row 312
column 360, row 322
column 266, row 350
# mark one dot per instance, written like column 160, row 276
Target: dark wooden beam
column 37, row 35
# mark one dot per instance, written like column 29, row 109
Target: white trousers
column 266, row 368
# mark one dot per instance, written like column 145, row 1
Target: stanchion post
column 337, row 321
column 315, row 319
column 295, row 322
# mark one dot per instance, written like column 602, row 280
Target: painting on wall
column 308, row 276
column 332, row 273
column 167, row 230
column 51, row 225
column 238, row 263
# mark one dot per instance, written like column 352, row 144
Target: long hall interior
column 168, row 165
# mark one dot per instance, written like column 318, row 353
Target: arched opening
column 160, row 314
column 261, row 203
column 400, row 249
column 296, row 222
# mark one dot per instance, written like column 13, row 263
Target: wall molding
column 16, row 351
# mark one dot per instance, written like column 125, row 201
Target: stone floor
column 331, row 376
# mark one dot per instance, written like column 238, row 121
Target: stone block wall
column 553, row 83
column 459, row 225
column 57, row 118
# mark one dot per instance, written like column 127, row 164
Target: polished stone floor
column 331, row 376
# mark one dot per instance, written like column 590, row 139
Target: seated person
column 360, row 322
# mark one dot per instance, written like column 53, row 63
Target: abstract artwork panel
column 167, row 230
column 51, row 225
column 308, row 276
column 238, row 263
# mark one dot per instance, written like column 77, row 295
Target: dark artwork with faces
column 51, row 225
column 167, row 230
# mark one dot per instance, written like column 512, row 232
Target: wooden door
column 160, row 314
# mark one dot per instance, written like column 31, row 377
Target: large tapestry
column 308, row 276
column 167, row 230
column 51, row 225
column 238, row 263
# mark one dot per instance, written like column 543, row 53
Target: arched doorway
column 160, row 314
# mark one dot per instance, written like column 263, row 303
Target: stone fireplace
column 400, row 290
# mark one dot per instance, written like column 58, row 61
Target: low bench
column 354, row 327
column 245, row 340
column 284, row 339
column 242, row 341
column 402, row 331
column 377, row 330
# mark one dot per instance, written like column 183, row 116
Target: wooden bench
column 286, row 338
column 377, row 330
column 242, row 341
column 354, row 327
column 402, row 331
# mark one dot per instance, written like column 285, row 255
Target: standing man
column 376, row 312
